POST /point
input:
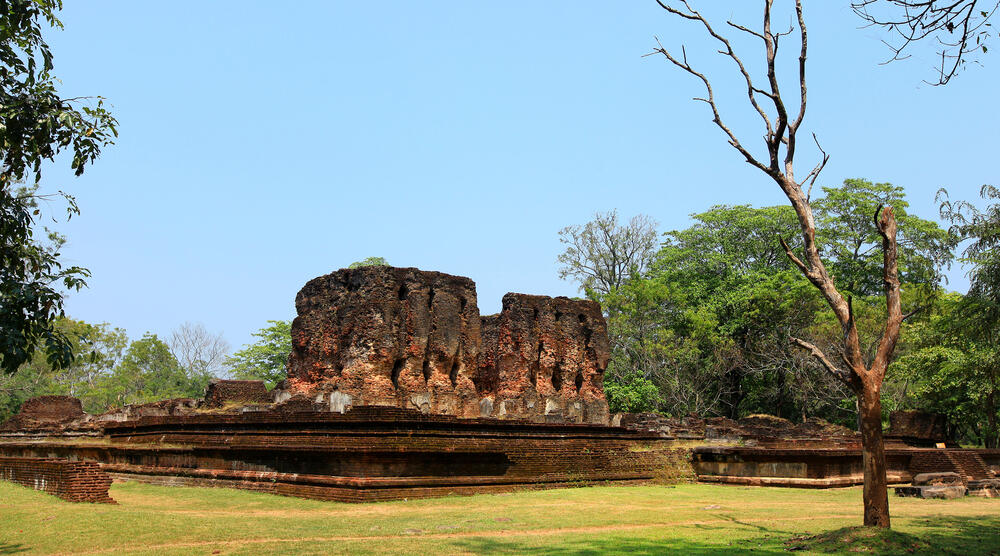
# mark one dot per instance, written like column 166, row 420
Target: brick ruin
column 398, row 388
column 75, row 481
column 408, row 338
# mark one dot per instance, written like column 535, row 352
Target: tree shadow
column 945, row 535
column 11, row 548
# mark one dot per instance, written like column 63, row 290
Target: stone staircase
column 970, row 465
column 967, row 463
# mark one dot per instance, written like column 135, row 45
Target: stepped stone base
column 366, row 454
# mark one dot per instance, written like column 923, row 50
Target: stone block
column 942, row 478
column 932, row 491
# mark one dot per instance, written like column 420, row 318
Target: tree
column 851, row 242
column 960, row 28
column 267, row 358
column 601, row 254
column 978, row 315
column 861, row 374
column 36, row 124
column 370, row 261
column 148, row 372
column 96, row 350
column 200, row 352
column 954, row 369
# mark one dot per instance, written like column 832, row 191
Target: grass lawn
column 690, row 519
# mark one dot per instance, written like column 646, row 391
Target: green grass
column 690, row 519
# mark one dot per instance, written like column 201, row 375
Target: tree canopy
column 36, row 124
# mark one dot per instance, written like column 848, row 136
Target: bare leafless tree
column 958, row 28
column 862, row 375
column 200, row 352
column 601, row 254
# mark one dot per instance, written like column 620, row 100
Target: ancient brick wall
column 222, row 392
column 45, row 412
column 76, row 481
column 545, row 357
column 408, row 338
column 381, row 335
column 918, row 427
column 368, row 453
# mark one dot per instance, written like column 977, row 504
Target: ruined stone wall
column 76, row 481
column 545, row 357
column 408, row 338
column 45, row 412
column 918, row 426
column 381, row 335
column 222, row 392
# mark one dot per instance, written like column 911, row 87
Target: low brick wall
column 76, row 481
column 221, row 392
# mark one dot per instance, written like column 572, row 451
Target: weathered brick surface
column 45, row 412
column 544, row 358
column 222, row 392
column 388, row 336
column 407, row 338
column 76, row 481
column 369, row 453
column 918, row 427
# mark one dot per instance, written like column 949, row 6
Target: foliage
column 267, row 358
column 601, row 255
column 370, row 261
column 36, row 124
column 632, row 394
column 853, row 247
column 148, row 372
column 96, row 349
column 708, row 321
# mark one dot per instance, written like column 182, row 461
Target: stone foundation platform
column 366, row 454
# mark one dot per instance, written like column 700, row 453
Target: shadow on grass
column 960, row 536
column 7, row 548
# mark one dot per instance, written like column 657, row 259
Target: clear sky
column 266, row 143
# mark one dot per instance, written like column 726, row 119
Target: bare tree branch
column 958, row 27
column 842, row 375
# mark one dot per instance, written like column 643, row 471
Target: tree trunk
column 990, row 438
column 876, row 495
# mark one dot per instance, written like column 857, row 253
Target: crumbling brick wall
column 408, row 338
column 220, row 392
column 918, row 426
column 546, row 356
column 76, row 481
column 381, row 335
column 45, row 411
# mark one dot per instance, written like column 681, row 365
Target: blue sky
column 263, row 144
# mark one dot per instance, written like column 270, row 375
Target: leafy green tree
column 267, row 358
column 632, row 394
column 36, row 124
column 96, row 350
column 975, row 321
column 370, row 261
column 148, row 372
column 851, row 242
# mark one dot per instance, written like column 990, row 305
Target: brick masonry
column 222, row 392
column 366, row 454
column 75, row 481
